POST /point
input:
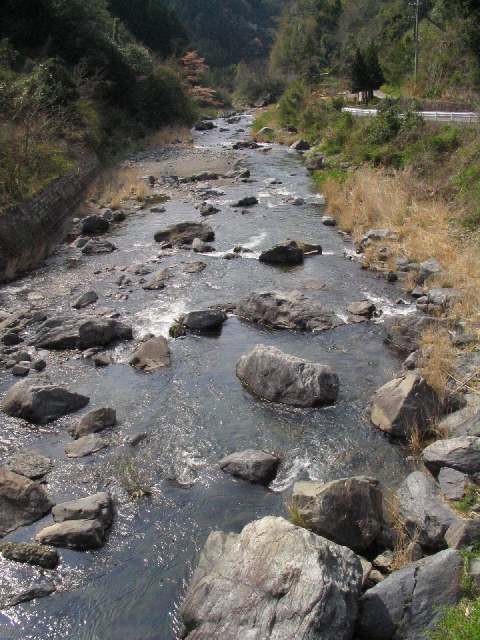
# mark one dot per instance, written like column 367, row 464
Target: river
column 196, row 411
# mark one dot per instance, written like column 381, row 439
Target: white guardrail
column 439, row 116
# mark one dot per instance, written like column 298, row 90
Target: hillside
column 229, row 31
column 320, row 37
column 75, row 79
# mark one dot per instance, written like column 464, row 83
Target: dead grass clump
column 416, row 442
column 117, row 186
column 405, row 543
column 170, row 135
column 437, row 359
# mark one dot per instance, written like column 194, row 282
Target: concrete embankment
column 30, row 231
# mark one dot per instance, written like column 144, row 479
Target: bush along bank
column 405, row 191
column 74, row 81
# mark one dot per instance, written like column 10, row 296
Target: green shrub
column 448, row 139
column 291, row 104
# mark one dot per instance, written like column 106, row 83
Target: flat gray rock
column 273, row 375
column 79, row 535
column 157, row 280
column 258, row 467
column 409, row 602
column 80, row 332
column 425, row 513
column 85, row 446
column 96, row 507
column 184, row 233
column 30, row 464
column 452, row 483
column 85, row 300
column 33, row 592
column 287, row 310
column 95, row 421
column 206, row 321
column 462, row 454
column 272, row 581
column 152, row 355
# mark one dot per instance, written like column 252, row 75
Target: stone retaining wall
column 30, row 231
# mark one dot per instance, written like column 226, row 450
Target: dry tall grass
column 170, row 135
column 405, row 543
column 426, row 227
column 117, row 186
column 437, row 359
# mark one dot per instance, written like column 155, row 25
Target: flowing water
column 196, row 411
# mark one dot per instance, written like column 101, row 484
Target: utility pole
column 417, row 41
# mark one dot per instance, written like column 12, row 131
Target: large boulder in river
column 151, row 355
column 462, row 454
column 22, row 501
column 283, row 254
column 405, row 404
column 83, row 332
column 279, row 377
column 39, row 402
column 347, row 511
column 258, row 467
column 206, row 321
column 408, row 603
column 273, row 580
column 425, row 513
column 286, row 310
column 184, row 233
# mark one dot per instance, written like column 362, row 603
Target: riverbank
column 210, row 254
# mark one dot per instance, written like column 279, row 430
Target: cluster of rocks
column 345, row 541
column 79, row 524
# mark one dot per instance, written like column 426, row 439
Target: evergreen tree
column 359, row 74
column 375, row 77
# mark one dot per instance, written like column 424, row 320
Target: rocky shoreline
column 350, row 558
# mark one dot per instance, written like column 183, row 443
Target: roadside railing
column 439, row 116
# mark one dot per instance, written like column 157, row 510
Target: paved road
column 438, row 116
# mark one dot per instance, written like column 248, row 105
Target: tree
column 152, row 23
column 359, row 74
column 375, row 77
column 366, row 73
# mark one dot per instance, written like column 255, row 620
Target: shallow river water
column 196, row 411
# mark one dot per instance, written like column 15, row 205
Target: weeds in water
column 126, row 469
